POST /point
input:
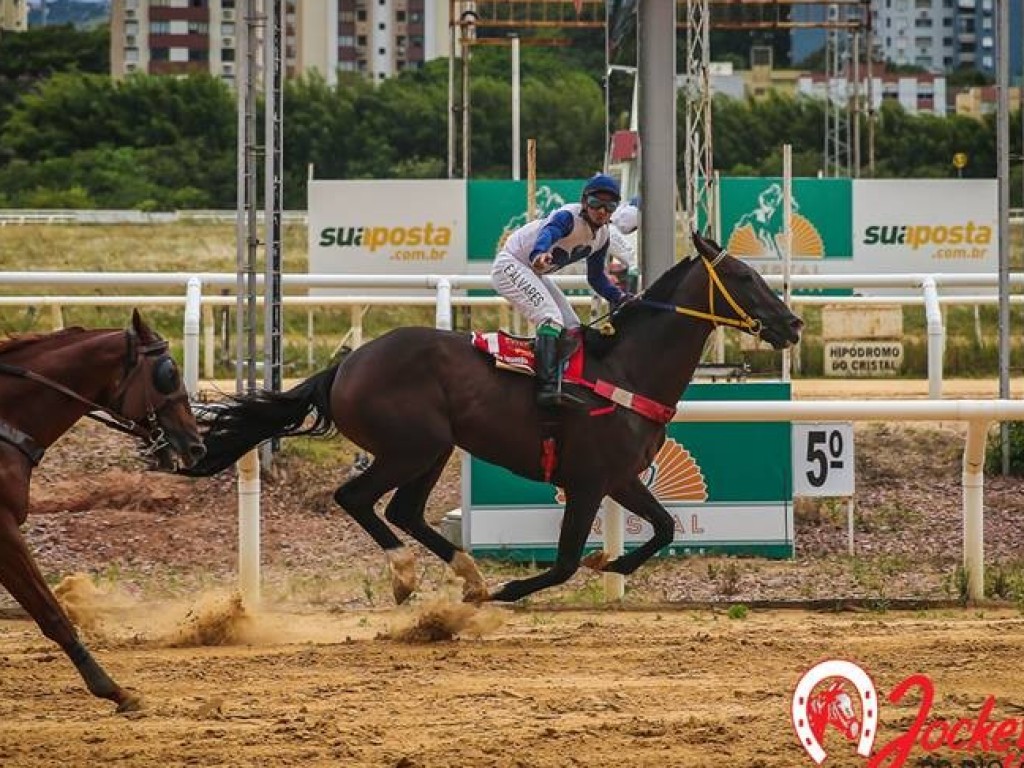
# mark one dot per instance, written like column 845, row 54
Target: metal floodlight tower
column 270, row 22
column 699, row 195
column 837, row 97
column 273, row 194
column 246, row 227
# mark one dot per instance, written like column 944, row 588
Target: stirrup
column 556, row 398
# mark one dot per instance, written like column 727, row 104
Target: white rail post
column 193, row 313
column 614, row 546
column 787, row 248
column 310, row 337
column 249, row 527
column 849, row 526
column 209, row 342
column 936, row 335
column 974, row 513
column 443, row 311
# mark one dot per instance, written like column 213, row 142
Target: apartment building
column 938, row 35
column 917, row 94
column 976, row 35
column 977, row 102
column 376, row 38
column 13, row 15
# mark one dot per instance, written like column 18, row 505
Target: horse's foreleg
column 640, row 501
column 580, row 511
column 406, row 511
column 22, row 578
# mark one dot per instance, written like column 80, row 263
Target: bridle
column 149, row 430
column 743, row 320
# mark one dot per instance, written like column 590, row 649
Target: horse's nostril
column 196, row 451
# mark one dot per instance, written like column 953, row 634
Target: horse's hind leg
column 20, row 575
column 580, row 511
column 406, row 510
column 358, row 497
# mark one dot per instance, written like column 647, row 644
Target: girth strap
column 645, row 406
column 22, row 442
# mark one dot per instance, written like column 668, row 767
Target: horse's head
column 833, row 706
column 742, row 295
column 152, row 395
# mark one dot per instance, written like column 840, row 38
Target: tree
column 28, row 57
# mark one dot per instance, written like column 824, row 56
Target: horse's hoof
column 402, row 592
column 474, row 588
column 403, row 573
column 596, row 560
column 475, row 594
column 129, row 703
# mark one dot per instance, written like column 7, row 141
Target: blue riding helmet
column 602, row 183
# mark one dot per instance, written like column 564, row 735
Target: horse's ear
column 705, row 246
column 139, row 325
column 702, row 245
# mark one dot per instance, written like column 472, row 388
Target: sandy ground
column 537, row 689
column 332, row 682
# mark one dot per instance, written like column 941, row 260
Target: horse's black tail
column 230, row 430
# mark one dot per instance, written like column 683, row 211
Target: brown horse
column 412, row 395
column 47, row 383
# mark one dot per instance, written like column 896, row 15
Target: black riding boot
column 549, row 375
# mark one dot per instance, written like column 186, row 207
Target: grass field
column 210, row 247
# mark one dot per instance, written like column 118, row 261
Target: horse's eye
column 165, row 376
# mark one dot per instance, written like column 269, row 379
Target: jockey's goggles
column 597, row 203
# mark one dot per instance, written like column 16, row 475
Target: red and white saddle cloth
column 514, row 353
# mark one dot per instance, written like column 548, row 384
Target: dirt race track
column 527, row 688
column 331, row 675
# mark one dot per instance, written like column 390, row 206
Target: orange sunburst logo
column 807, row 241
column 673, row 476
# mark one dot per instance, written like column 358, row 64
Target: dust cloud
column 109, row 615
column 441, row 620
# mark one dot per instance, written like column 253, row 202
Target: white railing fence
column 437, row 291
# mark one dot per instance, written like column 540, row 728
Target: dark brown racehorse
column 412, row 395
column 47, row 383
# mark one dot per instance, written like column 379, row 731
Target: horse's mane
column 22, row 340
column 661, row 290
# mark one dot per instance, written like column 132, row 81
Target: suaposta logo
column 373, row 238
column 918, row 235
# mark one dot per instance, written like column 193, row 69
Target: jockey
column 572, row 233
column 622, row 261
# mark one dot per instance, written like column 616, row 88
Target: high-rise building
column 14, row 15
column 376, row 38
column 938, row 35
column 976, row 35
column 917, row 32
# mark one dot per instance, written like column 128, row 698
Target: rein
column 743, row 320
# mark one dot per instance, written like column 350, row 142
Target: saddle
column 515, row 353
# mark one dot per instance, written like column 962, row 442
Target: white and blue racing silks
column 567, row 236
